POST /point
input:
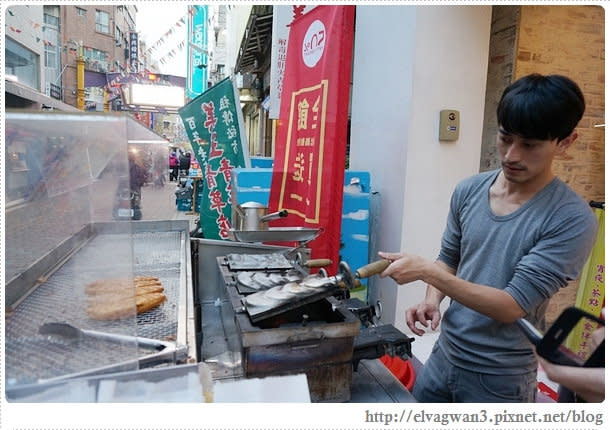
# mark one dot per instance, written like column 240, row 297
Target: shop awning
column 32, row 96
column 256, row 41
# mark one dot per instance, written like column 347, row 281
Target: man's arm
column 494, row 303
column 489, row 301
column 434, row 295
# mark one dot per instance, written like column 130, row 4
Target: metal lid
column 251, row 205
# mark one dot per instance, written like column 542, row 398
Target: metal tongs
column 165, row 351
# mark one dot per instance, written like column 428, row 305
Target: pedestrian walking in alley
column 173, row 166
column 184, row 163
column 159, row 167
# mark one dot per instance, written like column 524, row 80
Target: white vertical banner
column 282, row 17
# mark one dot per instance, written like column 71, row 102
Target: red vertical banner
column 311, row 138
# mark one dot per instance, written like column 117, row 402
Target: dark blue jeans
column 439, row 381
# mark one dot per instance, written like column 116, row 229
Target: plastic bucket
column 401, row 369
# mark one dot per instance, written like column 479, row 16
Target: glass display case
column 89, row 289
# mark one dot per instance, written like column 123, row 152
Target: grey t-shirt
column 530, row 253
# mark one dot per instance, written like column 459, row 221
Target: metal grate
column 62, row 298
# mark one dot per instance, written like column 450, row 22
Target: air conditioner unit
column 246, row 81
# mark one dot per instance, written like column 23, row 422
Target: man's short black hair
column 541, row 107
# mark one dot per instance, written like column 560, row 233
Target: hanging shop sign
column 54, row 91
column 215, row 127
column 133, row 51
column 309, row 160
column 196, row 53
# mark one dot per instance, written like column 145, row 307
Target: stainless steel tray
column 275, row 234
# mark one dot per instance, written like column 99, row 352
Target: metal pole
column 60, row 73
column 80, row 79
column 106, row 102
column 261, row 131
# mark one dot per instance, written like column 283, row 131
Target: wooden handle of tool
column 320, row 262
column 372, row 268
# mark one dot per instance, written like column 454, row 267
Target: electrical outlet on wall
column 449, row 125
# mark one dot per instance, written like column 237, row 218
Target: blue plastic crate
column 261, row 162
column 184, row 204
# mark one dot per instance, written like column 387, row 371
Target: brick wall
column 502, row 42
column 566, row 40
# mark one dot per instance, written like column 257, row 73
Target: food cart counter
column 66, row 254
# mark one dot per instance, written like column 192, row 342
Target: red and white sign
column 311, row 138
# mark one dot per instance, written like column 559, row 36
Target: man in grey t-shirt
column 514, row 237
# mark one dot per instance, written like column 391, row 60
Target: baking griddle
column 263, row 280
column 279, row 306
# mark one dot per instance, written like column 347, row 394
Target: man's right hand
column 422, row 313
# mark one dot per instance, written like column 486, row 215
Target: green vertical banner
column 215, row 127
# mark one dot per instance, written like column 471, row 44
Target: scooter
column 197, row 231
column 127, row 202
column 183, row 176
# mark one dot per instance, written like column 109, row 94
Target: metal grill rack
column 32, row 357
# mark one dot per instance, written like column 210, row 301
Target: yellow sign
column 591, row 292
